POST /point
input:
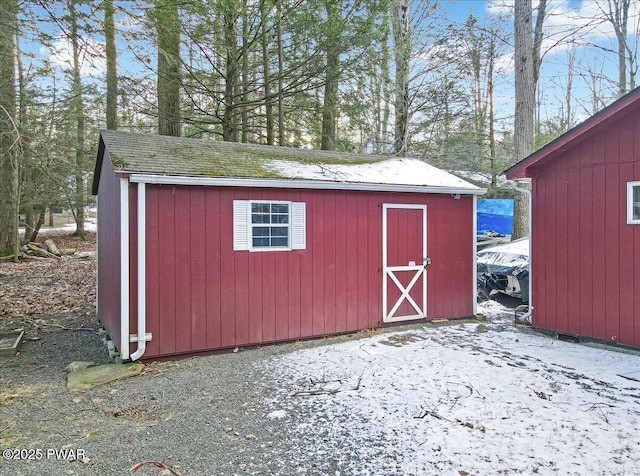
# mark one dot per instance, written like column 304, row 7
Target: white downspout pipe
column 124, row 268
column 475, row 255
column 527, row 316
column 141, row 338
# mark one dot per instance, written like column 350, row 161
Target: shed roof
column 184, row 157
column 614, row 111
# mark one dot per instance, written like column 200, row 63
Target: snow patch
column 277, row 415
column 398, row 171
column 474, row 398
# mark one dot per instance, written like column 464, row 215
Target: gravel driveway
column 206, row 415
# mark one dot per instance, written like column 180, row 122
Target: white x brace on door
column 404, row 262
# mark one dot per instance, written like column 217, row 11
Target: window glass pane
column 261, row 242
column 260, row 231
column 260, row 208
column 636, row 202
column 279, row 218
column 257, row 218
column 279, row 231
column 279, row 208
column 279, row 241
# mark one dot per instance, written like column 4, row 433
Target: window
column 633, row 203
column 269, row 225
column 260, row 225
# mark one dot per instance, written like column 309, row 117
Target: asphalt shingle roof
column 165, row 155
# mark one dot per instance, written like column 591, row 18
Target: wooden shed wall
column 109, row 250
column 585, row 257
column 202, row 295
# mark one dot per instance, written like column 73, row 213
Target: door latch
column 427, row 261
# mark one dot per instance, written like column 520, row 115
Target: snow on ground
column 90, row 226
column 474, row 398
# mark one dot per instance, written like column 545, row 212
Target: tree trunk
column 402, row 51
column 332, row 75
column 281, row 124
column 492, row 133
column 264, row 17
column 36, row 229
column 169, row 63
column 112, row 72
column 524, row 131
column 26, row 176
column 229, row 129
column 79, row 112
column 244, row 98
column 9, row 139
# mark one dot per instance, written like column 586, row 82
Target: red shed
column 585, row 240
column 207, row 245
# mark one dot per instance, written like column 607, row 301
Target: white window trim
column 243, row 228
column 630, row 219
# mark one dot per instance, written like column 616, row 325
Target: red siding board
column 562, row 249
column 167, row 269
column 281, row 316
column 269, row 290
column 152, row 270
column 599, row 262
column 627, row 290
column 213, row 267
column 351, row 241
column 198, row 318
column 613, row 215
column 363, row 269
column 183, row 297
column 319, row 265
column 227, row 273
column 375, row 264
column 551, row 277
column 341, row 269
column 330, row 323
column 584, row 322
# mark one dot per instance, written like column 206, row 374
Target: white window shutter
column 298, row 226
column 241, row 217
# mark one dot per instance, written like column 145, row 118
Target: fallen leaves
column 49, row 286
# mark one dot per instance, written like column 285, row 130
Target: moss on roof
column 145, row 153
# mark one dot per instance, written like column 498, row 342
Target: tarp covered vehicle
column 505, row 268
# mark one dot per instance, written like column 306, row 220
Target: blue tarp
column 495, row 214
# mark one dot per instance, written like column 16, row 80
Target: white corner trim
column 475, row 255
column 124, row 268
column 298, row 184
column 630, row 218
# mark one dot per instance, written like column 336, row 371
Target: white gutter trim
column 528, row 314
column 304, row 184
column 475, row 255
column 124, row 268
column 142, row 277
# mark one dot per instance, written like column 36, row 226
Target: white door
column 404, row 262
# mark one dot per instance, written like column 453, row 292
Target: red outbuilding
column 585, row 234
column 206, row 245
